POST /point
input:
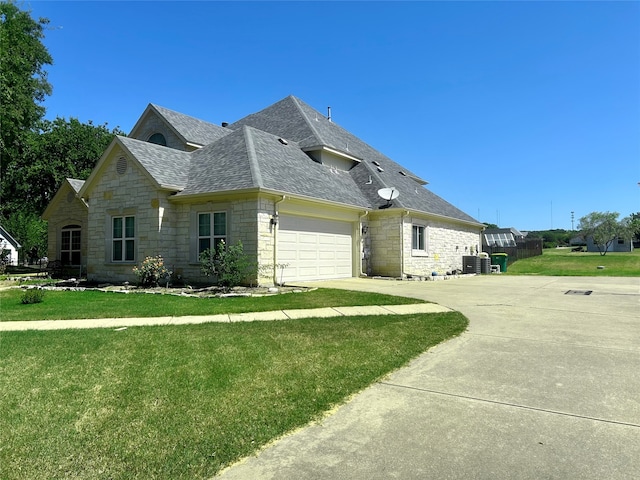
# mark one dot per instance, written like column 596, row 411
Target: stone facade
column 446, row 244
column 167, row 224
column 387, row 245
column 69, row 210
column 165, row 227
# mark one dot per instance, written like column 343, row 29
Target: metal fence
column 525, row 249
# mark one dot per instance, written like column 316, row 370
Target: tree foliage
column 30, row 231
column 36, row 155
column 553, row 238
column 23, row 78
column 604, row 228
column 57, row 150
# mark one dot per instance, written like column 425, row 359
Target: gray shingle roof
column 294, row 120
column 192, row 130
column 248, row 155
column 250, row 158
column 169, row 167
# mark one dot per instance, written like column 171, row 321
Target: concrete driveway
column 545, row 384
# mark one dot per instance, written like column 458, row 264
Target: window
column 620, row 241
column 418, row 238
column 70, row 245
column 158, row 139
column 123, row 239
column 212, row 229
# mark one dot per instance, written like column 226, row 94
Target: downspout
column 360, row 272
column 402, row 215
column 274, row 223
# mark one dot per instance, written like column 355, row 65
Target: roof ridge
column 254, row 169
column 296, row 102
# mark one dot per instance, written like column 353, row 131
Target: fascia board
column 196, row 197
column 443, row 217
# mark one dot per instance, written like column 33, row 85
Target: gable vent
column 121, row 166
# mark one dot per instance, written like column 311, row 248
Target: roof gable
column 12, row 241
column 69, row 186
column 168, row 167
column 190, row 130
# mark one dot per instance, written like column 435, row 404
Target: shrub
column 32, row 295
column 229, row 264
column 152, row 271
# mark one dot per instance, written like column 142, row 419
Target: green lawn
column 564, row 262
column 93, row 304
column 180, row 402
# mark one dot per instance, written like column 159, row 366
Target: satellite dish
column 388, row 194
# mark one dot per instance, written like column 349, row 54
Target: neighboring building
column 8, row 248
column 502, row 237
column 514, row 243
column 298, row 190
column 618, row 245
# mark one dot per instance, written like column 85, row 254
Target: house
column 301, row 193
column 618, row 244
column 8, row 248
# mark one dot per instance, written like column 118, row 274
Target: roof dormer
column 332, row 158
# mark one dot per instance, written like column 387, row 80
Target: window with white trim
column 212, row 229
column 419, row 239
column 70, row 245
column 123, row 239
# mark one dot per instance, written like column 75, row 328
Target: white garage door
column 314, row 249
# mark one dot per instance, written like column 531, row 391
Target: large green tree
column 35, row 154
column 23, row 79
column 59, row 149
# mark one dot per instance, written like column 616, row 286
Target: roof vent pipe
column 225, row 124
column 329, row 113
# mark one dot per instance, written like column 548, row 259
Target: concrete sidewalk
column 544, row 384
column 225, row 318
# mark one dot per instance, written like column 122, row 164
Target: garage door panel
column 314, row 248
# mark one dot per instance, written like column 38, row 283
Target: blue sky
column 518, row 113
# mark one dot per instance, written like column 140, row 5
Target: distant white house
column 8, row 247
column 618, row 245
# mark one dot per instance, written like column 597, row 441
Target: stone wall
column 447, row 243
column 69, row 211
column 122, row 189
column 388, row 252
column 384, row 239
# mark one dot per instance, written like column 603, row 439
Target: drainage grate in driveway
column 578, row 292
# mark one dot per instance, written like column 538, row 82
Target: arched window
column 158, row 139
column 70, row 245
